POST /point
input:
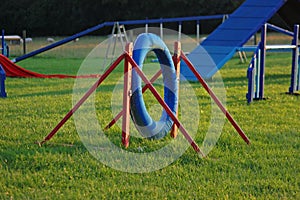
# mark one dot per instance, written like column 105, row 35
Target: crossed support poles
column 129, row 65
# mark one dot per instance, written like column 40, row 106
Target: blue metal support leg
column 2, row 83
column 295, row 62
column 262, row 61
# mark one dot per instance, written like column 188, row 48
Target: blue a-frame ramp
column 222, row 43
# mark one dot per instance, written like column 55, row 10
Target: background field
column 64, row 169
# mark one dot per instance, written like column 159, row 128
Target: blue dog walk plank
column 207, row 59
column 207, row 53
column 258, row 15
column 222, row 43
column 211, row 49
column 210, row 58
column 232, row 43
column 262, row 3
column 230, row 35
column 254, row 12
column 235, row 23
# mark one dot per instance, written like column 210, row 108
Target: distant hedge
column 65, row 17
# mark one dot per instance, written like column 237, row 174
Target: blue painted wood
column 294, row 85
column 262, row 64
column 261, row 3
column 208, row 59
column 2, row 83
column 105, row 24
column 255, row 11
column 222, row 43
column 235, row 23
column 251, row 82
column 231, row 35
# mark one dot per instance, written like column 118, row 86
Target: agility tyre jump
column 147, row 127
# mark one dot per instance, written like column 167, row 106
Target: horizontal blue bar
column 168, row 20
column 99, row 26
column 280, row 30
column 61, row 42
column 247, row 48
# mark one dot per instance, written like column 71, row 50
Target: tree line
column 66, row 17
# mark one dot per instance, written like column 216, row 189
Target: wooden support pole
column 24, row 41
column 161, row 30
column 176, row 60
column 198, row 30
column 83, row 99
column 119, row 115
column 146, row 26
column 166, row 107
column 179, row 31
column 216, row 99
column 3, row 42
column 126, row 96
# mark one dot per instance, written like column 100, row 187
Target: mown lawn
column 64, row 169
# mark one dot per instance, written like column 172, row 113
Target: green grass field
column 64, row 169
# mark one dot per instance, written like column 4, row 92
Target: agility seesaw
column 133, row 58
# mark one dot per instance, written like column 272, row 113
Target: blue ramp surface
column 222, row 43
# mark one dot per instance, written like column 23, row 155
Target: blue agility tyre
column 146, row 126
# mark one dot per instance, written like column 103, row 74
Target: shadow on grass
column 45, row 93
column 34, row 156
